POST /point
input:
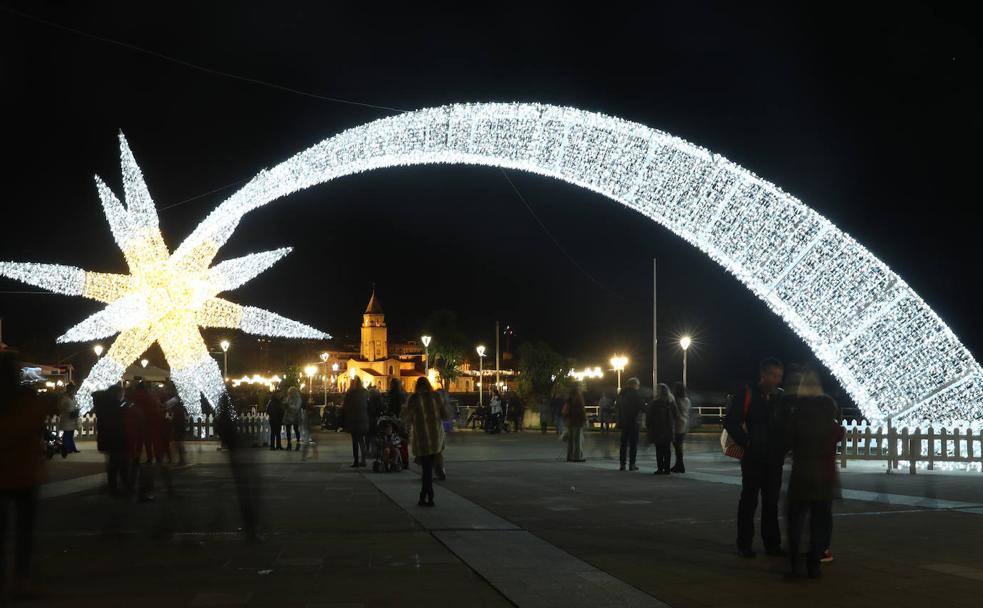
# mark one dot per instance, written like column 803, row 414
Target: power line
column 191, row 65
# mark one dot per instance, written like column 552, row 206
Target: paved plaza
column 513, row 525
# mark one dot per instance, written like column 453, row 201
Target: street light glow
column 619, row 363
column 97, row 349
column 144, row 363
column 481, row 351
column 225, row 345
column 684, row 342
column 426, row 341
column 310, row 370
column 324, row 357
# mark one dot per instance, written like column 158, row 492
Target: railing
column 952, row 448
column 251, row 427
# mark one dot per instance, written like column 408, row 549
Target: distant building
column 379, row 361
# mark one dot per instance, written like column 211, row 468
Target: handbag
column 727, row 443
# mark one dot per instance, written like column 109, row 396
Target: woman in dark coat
column 661, row 423
column 356, row 412
column 110, row 440
column 813, row 431
column 396, row 398
column 575, row 418
column 274, row 411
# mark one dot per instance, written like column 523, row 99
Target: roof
column 374, row 308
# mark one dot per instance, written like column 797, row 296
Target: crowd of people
column 140, row 430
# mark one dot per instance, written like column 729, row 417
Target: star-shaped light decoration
column 165, row 299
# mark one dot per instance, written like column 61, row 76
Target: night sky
column 872, row 118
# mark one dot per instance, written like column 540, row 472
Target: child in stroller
column 389, row 457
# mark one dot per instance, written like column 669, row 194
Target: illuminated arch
column 889, row 350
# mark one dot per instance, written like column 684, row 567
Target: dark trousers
column 25, row 501
column 426, row 463
column 629, row 443
column 117, row 470
column 820, row 529
column 275, row 436
column 296, row 428
column 663, row 455
column 358, row 443
column 677, row 443
column 68, row 442
column 759, row 476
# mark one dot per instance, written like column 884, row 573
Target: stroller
column 391, row 444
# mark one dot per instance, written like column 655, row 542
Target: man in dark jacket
column 356, row 408
column 629, row 405
column 755, row 422
column 274, row 412
column 110, row 438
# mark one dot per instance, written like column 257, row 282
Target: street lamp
column 426, row 353
column 144, row 363
column 324, row 379
column 684, row 343
column 225, row 355
column 481, row 369
column 310, row 370
column 97, row 349
column 618, row 363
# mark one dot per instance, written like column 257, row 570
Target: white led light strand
column 164, row 299
column 887, row 348
column 884, row 344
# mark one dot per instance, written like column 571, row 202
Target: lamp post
column 310, row 370
column 481, row 376
column 684, row 343
column 426, row 354
column 225, row 355
column 618, row 363
column 324, row 379
column 144, row 363
column 97, row 349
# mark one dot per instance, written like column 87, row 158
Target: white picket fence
column 253, row 427
column 948, row 448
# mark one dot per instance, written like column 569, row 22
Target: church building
column 376, row 366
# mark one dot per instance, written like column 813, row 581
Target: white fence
column 254, row 427
column 948, row 448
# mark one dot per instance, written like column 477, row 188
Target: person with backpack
column 755, row 428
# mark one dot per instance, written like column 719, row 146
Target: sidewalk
column 514, row 524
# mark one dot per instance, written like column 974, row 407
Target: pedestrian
column 605, row 407
column 755, row 423
column 356, row 408
column 449, row 413
column 291, row 414
column 682, row 424
column 517, row 411
column 556, row 406
column 110, row 438
column 179, row 424
column 424, row 419
column 149, row 429
column 661, row 422
column 22, row 415
column 395, row 399
column 812, row 432
column 68, row 420
column 629, row 407
column 495, row 409
column 243, row 472
column 575, row 419
column 545, row 414
column 274, row 413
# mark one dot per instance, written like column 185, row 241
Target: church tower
column 374, row 333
